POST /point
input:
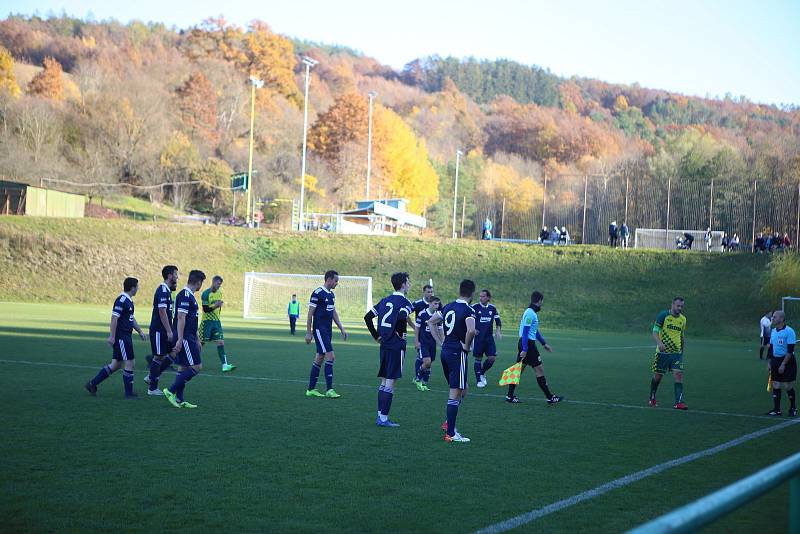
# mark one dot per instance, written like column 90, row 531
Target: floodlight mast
column 308, row 62
column 255, row 83
column 371, row 95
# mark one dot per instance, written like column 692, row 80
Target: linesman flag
column 511, row 375
column 769, row 382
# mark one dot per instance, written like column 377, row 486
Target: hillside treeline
column 144, row 105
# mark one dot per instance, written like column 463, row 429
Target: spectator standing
column 294, row 312
column 487, row 229
column 707, row 239
column 761, row 244
column 734, row 243
column 765, row 328
column 613, row 232
column 624, row 234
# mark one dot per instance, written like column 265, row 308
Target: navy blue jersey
column 425, row 336
column 392, row 313
column 419, row 305
column 123, row 311
column 186, row 304
column 454, row 321
column 162, row 300
column 485, row 316
column 323, row 303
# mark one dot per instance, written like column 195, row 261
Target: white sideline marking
column 620, row 348
column 471, row 393
column 527, row 517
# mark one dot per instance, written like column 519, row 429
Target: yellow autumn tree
column 503, row 181
column 402, row 160
column 8, row 82
column 272, row 59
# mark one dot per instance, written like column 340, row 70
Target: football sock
column 477, row 366
column 181, row 379
column 380, row 400
column 542, row 381
column 329, row 375
column 427, row 375
column 223, row 358
column 387, row 403
column 417, row 365
column 104, row 373
column 678, row 392
column 511, row 388
column 127, row 381
column 487, row 365
column 165, row 363
column 653, row 387
column 179, row 392
column 312, row 381
column 452, row 413
column 791, row 395
column 776, row 398
column 155, row 372
column 761, row 352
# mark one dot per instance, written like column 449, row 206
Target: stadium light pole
column 308, row 62
column 455, row 192
column 371, row 95
column 255, row 83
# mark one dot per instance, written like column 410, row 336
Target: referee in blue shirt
column 782, row 364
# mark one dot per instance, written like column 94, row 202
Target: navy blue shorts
column 160, row 345
column 392, row 363
column 123, row 349
column 189, row 353
column 323, row 341
column 454, row 364
column 484, row 347
column 427, row 351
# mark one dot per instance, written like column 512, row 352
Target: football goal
column 267, row 295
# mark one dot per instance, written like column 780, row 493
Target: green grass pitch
column 260, row 456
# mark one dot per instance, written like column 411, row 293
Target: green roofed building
column 23, row 199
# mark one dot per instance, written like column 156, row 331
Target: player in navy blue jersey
column 420, row 305
column 458, row 319
column 187, row 342
column 425, row 343
column 321, row 314
column 162, row 338
column 486, row 315
column 392, row 313
column 123, row 323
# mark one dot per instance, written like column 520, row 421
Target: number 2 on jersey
column 387, row 314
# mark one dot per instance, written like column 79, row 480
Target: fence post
column 753, row 240
column 794, row 505
column 583, row 222
column 625, row 220
column 666, row 230
column 463, row 208
column 797, row 228
column 711, row 203
column 544, row 198
column 503, row 219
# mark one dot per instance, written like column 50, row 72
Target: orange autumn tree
column 48, row 83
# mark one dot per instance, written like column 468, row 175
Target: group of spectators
column 555, row 235
column 772, row 243
column 618, row 236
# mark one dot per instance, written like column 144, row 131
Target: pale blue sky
column 699, row 47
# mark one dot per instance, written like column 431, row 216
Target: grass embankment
column 137, row 208
column 588, row 287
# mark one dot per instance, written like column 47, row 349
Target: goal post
column 788, row 300
column 267, row 295
column 660, row 238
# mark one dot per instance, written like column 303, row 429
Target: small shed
column 23, row 199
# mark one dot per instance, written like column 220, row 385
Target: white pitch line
column 471, row 393
column 527, row 517
column 620, row 348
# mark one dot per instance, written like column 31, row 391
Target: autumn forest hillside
column 106, row 103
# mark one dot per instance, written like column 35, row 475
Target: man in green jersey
column 211, row 325
column 294, row 312
column 668, row 333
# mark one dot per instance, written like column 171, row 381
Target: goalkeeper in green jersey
column 211, row 325
column 668, row 334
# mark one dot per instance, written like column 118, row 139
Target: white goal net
column 660, row 238
column 267, row 295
